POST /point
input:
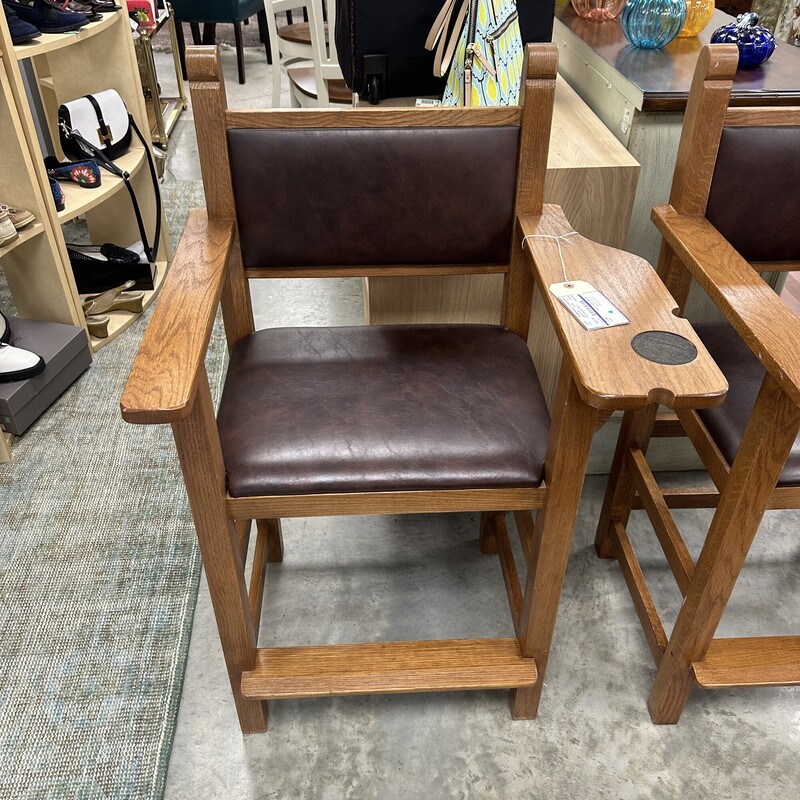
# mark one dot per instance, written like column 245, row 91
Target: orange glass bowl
column 600, row 10
column 698, row 15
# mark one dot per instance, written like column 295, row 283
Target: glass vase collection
column 756, row 44
column 698, row 15
column 598, row 10
column 653, row 23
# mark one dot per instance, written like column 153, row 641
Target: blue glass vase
column 756, row 44
column 653, row 23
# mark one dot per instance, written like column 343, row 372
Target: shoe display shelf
column 67, row 66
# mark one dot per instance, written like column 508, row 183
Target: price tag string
column 557, row 239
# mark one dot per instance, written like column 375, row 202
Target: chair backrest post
column 697, row 151
column 209, row 103
column 537, row 97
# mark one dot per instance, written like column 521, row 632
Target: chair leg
column 636, row 429
column 263, row 33
column 196, row 38
column 200, row 455
column 567, row 456
column 237, row 31
column 766, row 444
column 488, row 534
column 274, row 539
column 210, row 33
column 181, row 48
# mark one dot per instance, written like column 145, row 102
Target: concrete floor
column 423, row 576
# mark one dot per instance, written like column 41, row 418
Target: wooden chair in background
column 733, row 213
column 388, row 419
column 308, row 54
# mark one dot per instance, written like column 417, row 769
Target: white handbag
column 101, row 119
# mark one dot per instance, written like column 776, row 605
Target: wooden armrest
column 769, row 328
column 608, row 372
column 162, row 382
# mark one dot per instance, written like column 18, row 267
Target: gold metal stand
column 162, row 112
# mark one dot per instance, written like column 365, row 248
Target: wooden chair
column 733, row 213
column 447, row 417
column 307, row 54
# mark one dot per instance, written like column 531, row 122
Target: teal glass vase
column 652, row 23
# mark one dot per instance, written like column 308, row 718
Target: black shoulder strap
column 104, row 161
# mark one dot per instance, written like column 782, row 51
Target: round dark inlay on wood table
column 663, row 347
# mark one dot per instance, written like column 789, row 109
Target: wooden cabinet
column 67, row 66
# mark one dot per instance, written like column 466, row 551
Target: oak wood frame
column 744, row 489
column 168, row 385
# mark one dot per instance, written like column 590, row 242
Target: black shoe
column 20, row 30
column 46, row 18
column 76, row 7
column 103, row 6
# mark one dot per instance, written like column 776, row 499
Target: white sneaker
column 17, row 364
column 8, row 233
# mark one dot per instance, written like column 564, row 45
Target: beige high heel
column 116, row 299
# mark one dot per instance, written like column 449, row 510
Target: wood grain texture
column 702, row 127
column 756, row 661
column 639, row 591
column 274, row 533
column 525, row 530
column 766, row 443
column 209, row 101
column 392, row 270
column 669, row 536
column 565, row 466
column 200, row 455
column 237, row 308
column 487, row 538
column 768, row 327
column 258, row 577
column 380, row 117
column 537, row 98
column 509, row 569
column 162, row 381
column 635, row 431
column 609, row 374
column 388, row 667
column 715, row 463
column 777, row 116
column 421, row 502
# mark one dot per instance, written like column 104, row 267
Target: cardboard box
column 67, row 355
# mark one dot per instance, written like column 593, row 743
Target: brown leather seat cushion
column 381, row 408
column 744, row 372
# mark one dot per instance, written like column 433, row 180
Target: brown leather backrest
column 374, row 196
column 754, row 200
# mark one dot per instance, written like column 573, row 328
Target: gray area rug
column 98, row 582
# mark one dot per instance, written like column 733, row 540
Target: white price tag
column 427, row 102
column 591, row 308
